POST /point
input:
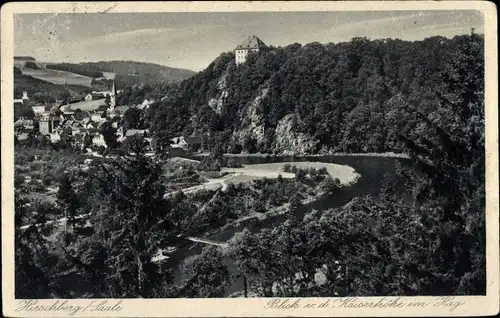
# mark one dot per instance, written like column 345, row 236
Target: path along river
column 374, row 172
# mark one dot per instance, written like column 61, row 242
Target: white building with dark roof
column 251, row 44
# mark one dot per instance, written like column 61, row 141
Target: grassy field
column 240, row 178
column 109, row 75
column 58, row 77
column 346, row 174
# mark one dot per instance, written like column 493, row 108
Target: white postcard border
column 473, row 305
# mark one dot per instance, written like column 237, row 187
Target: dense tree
column 77, row 69
column 36, row 266
column 428, row 238
column 346, row 95
column 207, row 275
column 109, row 134
column 131, row 222
column 67, row 200
column 26, row 112
column 135, row 144
column 133, row 119
column 450, row 157
column 30, row 64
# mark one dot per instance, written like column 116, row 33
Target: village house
column 22, row 136
column 119, row 111
column 96, row 96
column 23, row 127
column 192, row 143
column 40, row 109
column 99, row 114
column 138, row 132
column 55, row 136
column 24, row 124
column 145, row 104
column 98, row 140
column 66, row 110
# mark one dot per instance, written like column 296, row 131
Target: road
column 206, row 241
column 211, row 184
column 60, row 221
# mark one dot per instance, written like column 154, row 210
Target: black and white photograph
column 248, row 154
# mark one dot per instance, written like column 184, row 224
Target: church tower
column 112, row 97
column 26, row 100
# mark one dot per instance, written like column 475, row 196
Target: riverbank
column 346, row 175
column 335, row 154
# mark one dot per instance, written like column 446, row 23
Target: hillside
column 37, row 88
column 356, row 96
column 127, row 72
column 56, row 76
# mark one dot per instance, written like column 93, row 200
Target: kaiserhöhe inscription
column 351, row 302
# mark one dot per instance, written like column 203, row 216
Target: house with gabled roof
column 251, row 44
column 98, row 140
column 192, row 143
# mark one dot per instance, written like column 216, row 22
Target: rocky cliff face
column 217, row 103
column 287, row 141
column 251, row 122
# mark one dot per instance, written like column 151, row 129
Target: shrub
column 329, row 185
column 47, row 180
column 287, row 167
column 35, row 174
column 313, row 173
column 300, row 175
column 322, row 171
column 233, row 163
column 18, row 180
column 258, row 206
column 34, row 166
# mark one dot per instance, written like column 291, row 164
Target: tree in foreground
column 207, row 275
column 131, row 222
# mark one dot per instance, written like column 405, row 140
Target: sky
column 194, row 40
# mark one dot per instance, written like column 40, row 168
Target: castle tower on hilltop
column 251, row 44
column 26, row 100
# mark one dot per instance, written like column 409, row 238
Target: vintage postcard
column 249, row 159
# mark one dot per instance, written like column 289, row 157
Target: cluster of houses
column 82, row 121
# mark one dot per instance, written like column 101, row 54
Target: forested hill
column 128, row 72
column 356, row 96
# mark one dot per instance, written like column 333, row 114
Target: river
column 374, row 172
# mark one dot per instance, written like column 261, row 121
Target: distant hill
column 127, row 72
column 80, row 69
column 24, row 58
column 30, row 64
